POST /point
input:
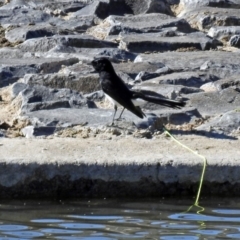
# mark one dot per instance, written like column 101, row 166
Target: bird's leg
column 115, row 110
column 120, row 116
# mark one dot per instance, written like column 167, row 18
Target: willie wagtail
column 120, row 95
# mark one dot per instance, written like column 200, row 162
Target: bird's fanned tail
column 161, row 101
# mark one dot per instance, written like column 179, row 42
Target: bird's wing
column 118, row 91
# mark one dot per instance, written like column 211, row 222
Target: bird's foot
column 119, row 119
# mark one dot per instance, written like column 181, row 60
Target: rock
column 164, row 32
column 38, row 131
column 15, row 4
column 219, row 69
column 20, row 34
column 133, row 69
column 13, row 69
column 235, row 41
column 187, row 5
column 149, row 6
column 17, row 88
column 143, row 23
column 64, row 6
column 86, row 55
column 216, row 63
column 71, row 116
column 104, row 8
column 224, row 123
column 143, row 76
column 206, row 17
column 2, row 133
column 165, row 89
column 57, row 119
column 95, row 96
column 229, row 82
column 39, row 97
column 74, row 25
column 175, row 116
column 232, row 81
column 7, row 52
column 113, row 54
column 223, row 33
column 86, row 83
column 149, row 42
column 209, row 87
column 211, row 103
column 22, row 16
column 52, row 74
column 98, row 8
column 11, row 74
column 190, row 78
column 78, row 41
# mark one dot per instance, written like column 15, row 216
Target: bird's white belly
column 111, row 100
column 136, row 102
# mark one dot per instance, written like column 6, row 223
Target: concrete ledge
column 121, row 167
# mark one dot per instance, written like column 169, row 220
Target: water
column 120, row 219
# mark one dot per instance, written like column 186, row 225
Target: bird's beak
column 95, row 65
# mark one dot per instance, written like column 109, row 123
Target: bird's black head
column 102, row 64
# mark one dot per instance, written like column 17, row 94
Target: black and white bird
column 120, row 95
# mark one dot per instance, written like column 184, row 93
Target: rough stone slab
column 148, row 22
column 175, row 116
column 142, row 23
column 16, row 4
column 62, row 116
column 78, row 25
column 39, row 97
column 7, row 52
column 153, row 42
column 223, row 32
column 83, row 55
column 61, row 168
column 186, row 5
column 79, row 41
column 36, row 61
column 84, row 83
column 10, row 74
column 134, row 68
column 96, row 117
column 22, row 16
column 88, row 54
column 227, row 123
column 190, row 79
column 232, row 81
column 98, row 8
column 210, row 103
column 102, row 9
column 203, row 18
column 13, row 69
column 16, row 88
column 149, row 6
column 217, row 63
column 64, row 6
column 20, row 34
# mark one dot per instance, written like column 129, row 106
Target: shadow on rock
column 203, row 133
